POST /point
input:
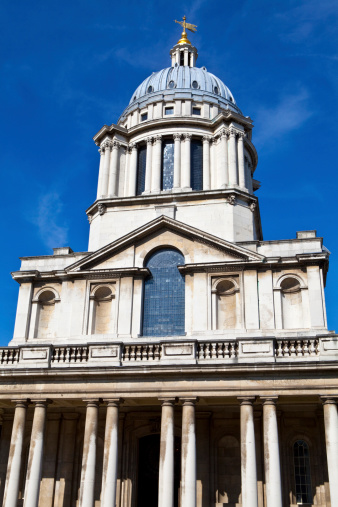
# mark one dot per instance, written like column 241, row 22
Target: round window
column 216, row 89
column 150, row 89
column 171, row 84
column 194, row 84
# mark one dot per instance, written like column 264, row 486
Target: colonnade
column 228, row 165
column 272, row 468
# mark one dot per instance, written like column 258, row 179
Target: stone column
column 188, row 450
column 147, row 186
column 206, row 162
column 271, row 453
column 132, row 169
column 99, row 184
column 223, row 176
column 185, row 178
column 241, row 161
column 331, row 438
column 233, row 180
column 15, row 455
column 89, row 455
column 177, row 161
column 186, row 57
column 156, row 165
column 105, row 176
column 34, row 469
column 166, row 470
column 113, row 169
column 110, row 454
column 248, row 453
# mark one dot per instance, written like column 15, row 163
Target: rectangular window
column 167, row 165
column 169, row 110
column 144, row 116
column 141, row 169
column 196, row 110
column 196, row 167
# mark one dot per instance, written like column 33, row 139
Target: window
column 194, row 84
column 301, row 461
column 141, row 169
column 196, row 167
column 171, row 84
column 167, row 165
column 196, row 110
column 144, row 116
column 164, row 295
column 169, row 110
column 150, row 89
column 216, row 90
column 182, row 58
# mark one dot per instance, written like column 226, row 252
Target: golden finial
column 189, row 26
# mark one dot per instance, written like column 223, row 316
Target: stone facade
column 239, row 409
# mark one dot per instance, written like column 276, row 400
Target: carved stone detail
column 102, row 209
column 253, row 206
column 231, row 199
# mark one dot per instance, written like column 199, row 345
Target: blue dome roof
column 183, row 78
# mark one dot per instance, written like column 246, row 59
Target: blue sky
column 68, row 67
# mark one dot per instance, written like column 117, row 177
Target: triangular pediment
column 197, row 246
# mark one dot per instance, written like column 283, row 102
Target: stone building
column 182, row 360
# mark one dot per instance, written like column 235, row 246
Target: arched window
column 164, row 290
column 196, row 168
column 141, row 169
column 301, row 461
column 167, row 164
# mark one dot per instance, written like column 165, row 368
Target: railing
column 171, row 352
column 297, row 348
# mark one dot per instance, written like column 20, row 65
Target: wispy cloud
column 287, row 115
column 48, row 218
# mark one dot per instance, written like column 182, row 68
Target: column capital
column 232, row 132
column 177, row 136
column 328, row 400
column 224, row 133
column 187, row 137
column 241, row 135
column 189, row 401
column 269, row 400
column 21, row 403
column 113, row 402
column 116, row 144
column 215, row 139
column 149, row 140
column 93, row 402
column 246, row 400
column 167, row 402
column 158, row 138
column 207, row 139
column 107, row 145
column 41, row 403
column 132, row 146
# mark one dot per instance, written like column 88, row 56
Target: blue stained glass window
column 196, row 174
column 301, row 461
column 167, row 164
column 141, row 169
column 164, row 295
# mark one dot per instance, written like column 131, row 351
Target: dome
column 182, row 82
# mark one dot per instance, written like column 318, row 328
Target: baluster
column 132, row 353
column 213, row 350
column 305, row 347
column 292, row 350
column 299, row 349
column 207, row 351
column 316, row 347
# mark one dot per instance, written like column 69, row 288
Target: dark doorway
column 148, row 468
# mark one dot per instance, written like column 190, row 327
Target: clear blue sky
column 68, row 67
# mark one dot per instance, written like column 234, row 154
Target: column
column 156, row 165
column 241, row 164
column 188, row 450
column 206, row 162
column 223, row 176
column 110, row 455
column 15, row 454
column 186, row 57
column 232, row 158
column 185, row 180
column 132, row 169
column 166, row 470
column 113, row 169
column 214, row 309
column 89, row 455
column 248, row 453
column 33, row 477
column 331, row 438
column 177, row 161
column 147, row 187
column 99, row 184
column 105, row 176
column 271, row 453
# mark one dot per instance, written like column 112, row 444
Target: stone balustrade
column 239, row 350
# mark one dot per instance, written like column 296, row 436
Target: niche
column 227, row 304
column 228, row 471
column 45, row 314
column 292, row 304
column 103, row 309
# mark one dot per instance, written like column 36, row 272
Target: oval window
column 171, row 84
column 150, row 89
column 194, row 84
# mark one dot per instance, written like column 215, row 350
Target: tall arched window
column 164, row 289
column 141, row 169
column 196, row 168
column 167, row 164
column 301, row 461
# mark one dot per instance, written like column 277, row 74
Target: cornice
column 93, row 274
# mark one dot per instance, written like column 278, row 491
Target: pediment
column 197, row 246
